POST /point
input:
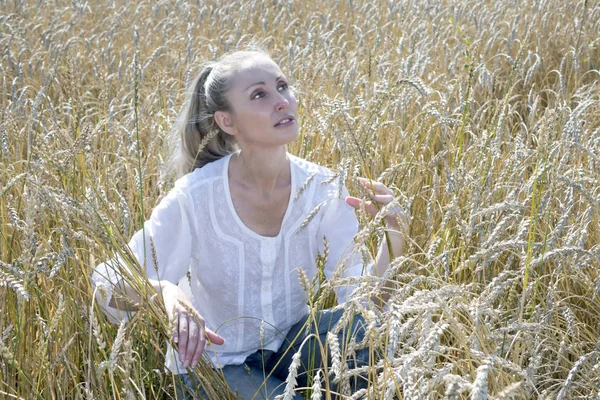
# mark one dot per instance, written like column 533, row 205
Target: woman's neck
column 261, row 169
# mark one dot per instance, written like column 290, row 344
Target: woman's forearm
column 126, row 298
column 382, row 262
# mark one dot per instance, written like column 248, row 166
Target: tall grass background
column 483, row 116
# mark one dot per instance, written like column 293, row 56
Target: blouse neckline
column 237, row 218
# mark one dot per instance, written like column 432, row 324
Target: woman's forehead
column 254, row 70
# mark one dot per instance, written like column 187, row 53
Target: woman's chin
column 288, row 136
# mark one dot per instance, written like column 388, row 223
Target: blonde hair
column 199, row 138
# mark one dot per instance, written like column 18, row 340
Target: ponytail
column 201, row 140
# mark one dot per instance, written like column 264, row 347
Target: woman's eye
column 283, row 85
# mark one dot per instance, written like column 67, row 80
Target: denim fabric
column 246, row 379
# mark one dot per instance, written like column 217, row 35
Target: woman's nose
column 282, row 103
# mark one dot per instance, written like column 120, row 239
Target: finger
column 210, row 336
column 379, row 187
column 183, row 336
column 214, row 338
column 355, row 202
column 199, row 350
column 371, row 208
column 174, row 324
column 193, row 338
column 383, row 198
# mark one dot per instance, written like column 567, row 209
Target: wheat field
column 483, row 116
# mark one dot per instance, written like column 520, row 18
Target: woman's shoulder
column 200, row 176
column 328, row 185
column 311, row 168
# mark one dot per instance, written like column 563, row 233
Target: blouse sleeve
column 168, row 234
column 339, row 225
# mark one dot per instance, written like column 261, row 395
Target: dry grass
column 483, row 115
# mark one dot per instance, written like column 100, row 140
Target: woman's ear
column 225, row 122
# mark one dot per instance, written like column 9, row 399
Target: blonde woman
column 234, row 221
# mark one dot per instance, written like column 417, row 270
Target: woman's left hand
column 395, row 218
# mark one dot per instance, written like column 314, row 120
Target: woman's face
column 259, row 98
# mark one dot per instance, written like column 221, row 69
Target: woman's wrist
column 166, row 290
column 395, row 233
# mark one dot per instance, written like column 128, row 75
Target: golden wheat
column 484, row 117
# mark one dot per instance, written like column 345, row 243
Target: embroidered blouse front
column 238, row 278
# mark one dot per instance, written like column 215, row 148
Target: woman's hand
column 393, row 245
column 395, row 218
column 190, row 333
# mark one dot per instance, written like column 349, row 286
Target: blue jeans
column 247, row 379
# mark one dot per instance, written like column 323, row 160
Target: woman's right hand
column 190, row 333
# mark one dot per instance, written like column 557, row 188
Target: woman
column 237, row 221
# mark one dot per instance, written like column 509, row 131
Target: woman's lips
column 286, row 124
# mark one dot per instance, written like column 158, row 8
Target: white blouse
column 237, row 277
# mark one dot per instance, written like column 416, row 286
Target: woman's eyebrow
column 262, row 83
